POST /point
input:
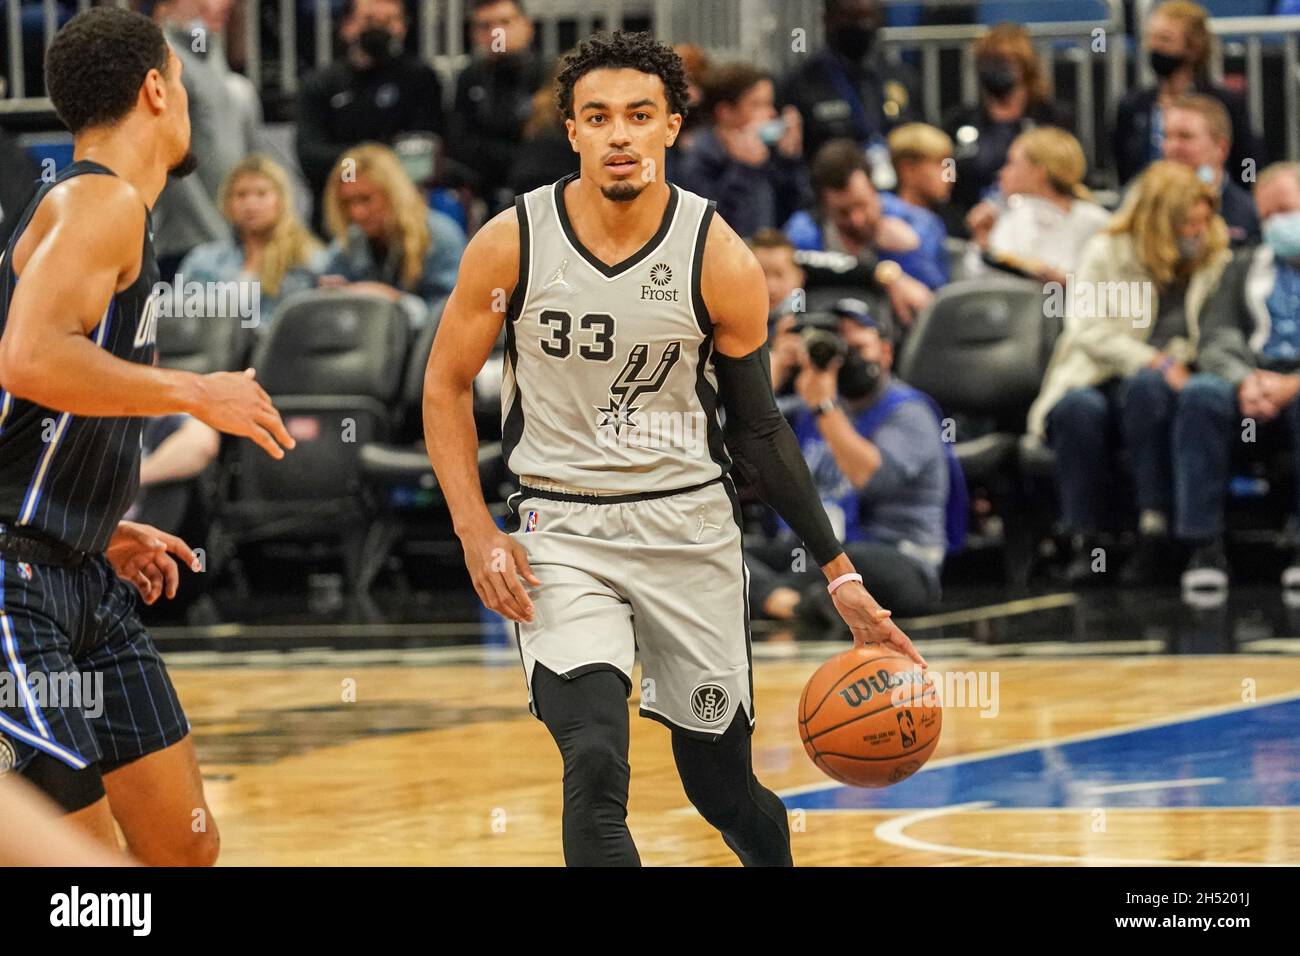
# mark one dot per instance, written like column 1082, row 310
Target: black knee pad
column 71, row 789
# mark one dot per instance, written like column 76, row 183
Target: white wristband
column 842, row 580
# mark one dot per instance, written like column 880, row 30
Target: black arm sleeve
column 766, row 453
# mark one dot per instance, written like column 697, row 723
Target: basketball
column 869, row 717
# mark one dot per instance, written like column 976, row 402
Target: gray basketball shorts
column 660, row 574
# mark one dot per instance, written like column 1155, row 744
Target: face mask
column 997, row 79
column 1165, row 65
column 377, row 43
column 1189, row 247
column 858, row 378
column 853, row 42
column 1282, row 233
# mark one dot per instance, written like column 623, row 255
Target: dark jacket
column 1238, row 210
column 749, row 198
column 1131, row 139
column 493, row 104
column 981, row 150
column 861, row 101
column 1235, row 320
column 340, row 106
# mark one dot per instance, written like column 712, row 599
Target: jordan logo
column 557, row 280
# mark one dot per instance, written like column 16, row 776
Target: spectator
column 1014, row 97
column 376, row 93
column 494, row 96
column 224, row 121
column 849, row 90
column 1250, row 369
column 269, row 244
column 746, row 158
column 786, row 302
column 1132, row 328
column 1044, row 214
column 548, row 155
column 877, row 455
column 1178, row 34
column 695, row 63
column 922, row 158
column 1198, row 133
column 386, row 240
column 848, row 219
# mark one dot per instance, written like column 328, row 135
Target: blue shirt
column 907, row 497
column 1283, row 343
column 353, row 258
column 928, row 262
column 223, row 261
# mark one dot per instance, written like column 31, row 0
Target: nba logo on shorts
column 530, row 522
column 24, row 570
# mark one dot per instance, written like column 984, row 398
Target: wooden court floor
column 355, row 763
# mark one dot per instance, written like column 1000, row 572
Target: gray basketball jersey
column 609, row 382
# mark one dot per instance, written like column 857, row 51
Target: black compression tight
column 588, row 717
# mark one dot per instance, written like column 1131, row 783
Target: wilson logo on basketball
column 709, row 702
column 881, row 682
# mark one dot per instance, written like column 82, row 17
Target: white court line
column 892, row 832
column 1156, row 785
column 1066, row 739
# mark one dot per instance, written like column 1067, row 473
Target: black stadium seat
column 400, row 478
column 980, row 350
column 332, row 362
column 204, row 343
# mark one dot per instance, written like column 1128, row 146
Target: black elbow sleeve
column 766, row 452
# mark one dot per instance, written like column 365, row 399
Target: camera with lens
column 820, row 332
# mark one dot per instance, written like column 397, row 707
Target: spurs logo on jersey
column 609, row 380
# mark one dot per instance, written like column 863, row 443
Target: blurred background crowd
column 1042, row 259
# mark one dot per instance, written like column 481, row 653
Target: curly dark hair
column 623, row 50
column 96, row 63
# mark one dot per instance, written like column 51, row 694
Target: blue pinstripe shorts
column 80, row 678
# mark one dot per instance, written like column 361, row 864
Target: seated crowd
column 840, row 190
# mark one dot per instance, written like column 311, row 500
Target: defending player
column 77, row 330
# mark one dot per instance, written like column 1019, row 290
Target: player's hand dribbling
column 235, row 404
column 869, row 622
column 496, row 562
column 139, row 553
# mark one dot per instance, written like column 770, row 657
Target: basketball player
column 77, row 327
column 632, row 313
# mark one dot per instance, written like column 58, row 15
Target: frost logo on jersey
column 661, row 274
column 631, row 385
column 146, row 330
column 557, row 279
column 709, row 702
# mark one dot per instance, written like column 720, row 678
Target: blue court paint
column 1256, row 750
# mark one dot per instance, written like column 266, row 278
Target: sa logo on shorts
column 7, row 756
column 709, row 702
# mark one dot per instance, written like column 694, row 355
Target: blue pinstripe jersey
column 68, row 477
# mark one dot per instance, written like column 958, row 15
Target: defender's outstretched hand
column 139, row 553
column 235, row 404
column 869, row 622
